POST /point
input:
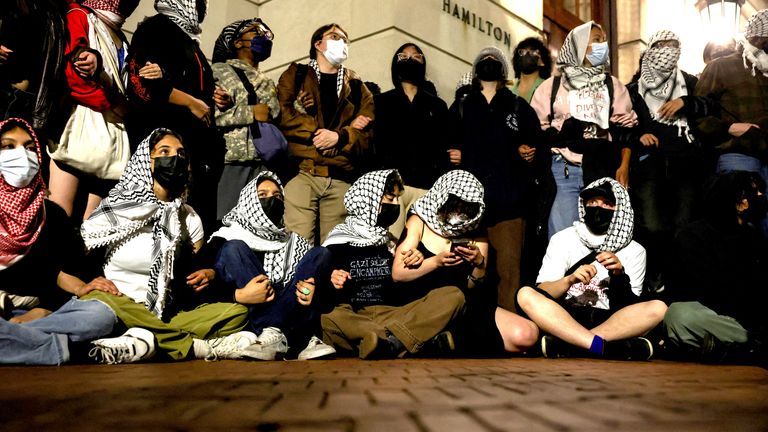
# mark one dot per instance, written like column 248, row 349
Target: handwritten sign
column 592, row 106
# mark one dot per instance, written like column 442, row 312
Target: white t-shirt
column 566, row 249
column 128, row 267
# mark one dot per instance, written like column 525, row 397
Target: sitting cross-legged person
column 587, row 298
column 276, row 273
column 367, row 319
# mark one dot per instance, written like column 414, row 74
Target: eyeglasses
column 336, row 36
column 525, row 51
column 261, row 30
column 403, row 57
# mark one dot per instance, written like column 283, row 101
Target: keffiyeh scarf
column 130, row 206
column 622, row 225
column 22, row 210
column 463, row 185
column 184, row 13
column 248, row 222
column 570, row 61
column 660, row 79
column 339, row 75
column 112, row 12
column 224, row 48
column 362, row 202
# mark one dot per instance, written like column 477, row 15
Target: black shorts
column 588, row 317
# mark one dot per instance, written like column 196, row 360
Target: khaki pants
column 309, row 198
column 174, row 338
column 506, row 238
column 413, row 324
column 687, row 323
column 409, row 196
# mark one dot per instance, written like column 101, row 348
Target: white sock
column 200, row 348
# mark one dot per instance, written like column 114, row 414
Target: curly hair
column 536, row 44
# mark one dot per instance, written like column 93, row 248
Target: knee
column 526, row 297
column 680, row 314
column 656, row 309
column 524, row 335
column 100, row 317
column 451, row 295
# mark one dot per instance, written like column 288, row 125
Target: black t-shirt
column 57, row 249
column 329, row 98
column 371, row 270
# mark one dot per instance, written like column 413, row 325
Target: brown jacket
column 299, row 127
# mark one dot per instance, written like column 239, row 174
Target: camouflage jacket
column 235, row 121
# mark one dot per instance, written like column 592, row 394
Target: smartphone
column 464, row 242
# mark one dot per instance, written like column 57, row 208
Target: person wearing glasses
column 411, row 120
column 532, row 64
column 325, row 111
column 251, row 97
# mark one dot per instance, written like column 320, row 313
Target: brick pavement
column 393, row 396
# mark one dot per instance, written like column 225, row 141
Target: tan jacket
column 299, row 127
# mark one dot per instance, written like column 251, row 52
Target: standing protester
column 325, row 112
column 532, row 64
column 668, row 168
column 172, row 85
column 495, row 132
column 585, row 116
column 237, row 53
column 411, row 129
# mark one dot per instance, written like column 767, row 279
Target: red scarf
column 22, row 211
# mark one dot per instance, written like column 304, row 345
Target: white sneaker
column 135, row 345
column 238, row 345
column 316, row 349
column 273, row 340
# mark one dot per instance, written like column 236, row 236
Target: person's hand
column 151, row 71
column 455, row 156
column 583, row 274
column 611, row 262
column 200, row 110
column 258, row 290
column 200, row 279
column 222, row 99
column 622, row 176
column 30, row 315
column 669, row 110
column 361, row 122
column 86, row 64
column 305, row 291
column 526, row 152
column 411, row 258
column 739, row 129
column 649, row 140
column 325, row 139
column 471, row 254
column 5, row 52
column 99, row 284
column 261, row 112
column 305, row 99
column 339, row 278
column 448, row 259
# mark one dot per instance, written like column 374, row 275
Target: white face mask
column 336, row 51
column 599, row 54
column 18, row 166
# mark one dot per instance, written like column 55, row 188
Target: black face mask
column 172, row 173
column 758, row 206
column 529, row 64
column 489, row 70
column 410, row 70
column 388, row 215
column 274, row 208
column 598, row 219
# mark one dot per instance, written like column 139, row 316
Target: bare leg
column 93, row 202
column 63, row 188
column 517, row 332
column 631, row 321
column 553, row 319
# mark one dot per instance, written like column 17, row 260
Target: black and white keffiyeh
column 660, row 78
column 130, row 206
column 570, row 61
column 362, row 202
column 622, row 225
column 339, row 75
column 463, row 185
column 754, row 57
column 248, row 222
column 183, row 13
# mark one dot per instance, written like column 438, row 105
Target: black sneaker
column 636, row 348
column 374, row 348
column 552, row 347
column 442, row 345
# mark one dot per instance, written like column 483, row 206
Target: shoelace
column 221, row 347
column 270, row 336
column 111, row 355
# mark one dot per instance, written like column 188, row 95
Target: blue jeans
column 729, row 162
column 569, row 180
column 237, row 264
column 46, row 341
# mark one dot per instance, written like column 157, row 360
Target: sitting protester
column 366, row 319
column 276, row 273
column 149, row 235
column 590, row 281
column 40, row 256
column 442, row 227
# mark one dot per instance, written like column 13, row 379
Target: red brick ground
column 392, row 396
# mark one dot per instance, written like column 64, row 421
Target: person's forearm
column 178, row 97
column 69, row 283
column 400, row 273
column 556, row 288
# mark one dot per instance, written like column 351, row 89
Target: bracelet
column 477, row 280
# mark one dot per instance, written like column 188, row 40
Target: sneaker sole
column 319, row 353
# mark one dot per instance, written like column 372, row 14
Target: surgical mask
column 598, row 219
column 172, row 173
column 599, row 54
column 410, row 70
column 529, row 64
column 274, row 208
column 388, row 215
column 18, row 166
column 261, row 47
column 336, row 51
column 489, row 70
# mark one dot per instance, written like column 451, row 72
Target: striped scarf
column 184, row 13
column 622, row 225
column 660, row 79
column 463, row 185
